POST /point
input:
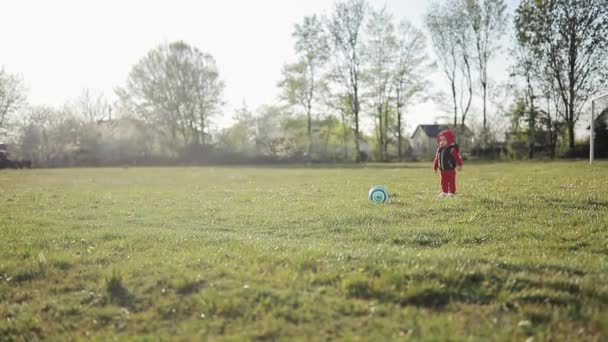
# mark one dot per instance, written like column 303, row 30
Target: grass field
column 299, row 253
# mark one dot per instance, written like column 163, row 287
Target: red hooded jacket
column 447, row 157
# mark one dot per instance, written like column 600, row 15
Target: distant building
column 601, row 135
column 603, row 117
column 424, row 139
column 3, row 152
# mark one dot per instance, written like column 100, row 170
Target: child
column 446, row 160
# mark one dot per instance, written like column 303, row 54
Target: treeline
column 53, row 138
column 560, row 58
column 346, row 96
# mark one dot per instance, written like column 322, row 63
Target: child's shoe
column 450, row 194
column 442, row 194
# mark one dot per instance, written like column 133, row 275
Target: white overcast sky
column 62, row 47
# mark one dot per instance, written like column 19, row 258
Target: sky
column 62, row 47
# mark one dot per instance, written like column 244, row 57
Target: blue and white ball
column 378, row 194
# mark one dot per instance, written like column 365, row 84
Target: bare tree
column 451, row 41
column 410, row 72
column 92, row 107
column 47, row 135
column 488, row 20
column 345, row 27
column 463, row 42
column 380, row 57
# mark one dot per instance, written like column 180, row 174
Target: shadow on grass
column 430, row 238
column 584, row 204
column 27, row 274
column 436, row 291
column 466, row 289
column 185, row 287
column 541, row 268
column 117, row 292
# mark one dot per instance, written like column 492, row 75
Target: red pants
column 448, row 181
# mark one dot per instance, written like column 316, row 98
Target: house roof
column 431, row 131
column 602, row 117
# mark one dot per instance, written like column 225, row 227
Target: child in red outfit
column 447, row 159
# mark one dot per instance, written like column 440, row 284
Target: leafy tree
column 178, row 88
column 240, row 137
column 301, row 80
column 346, row 29
column 570, row 38
column 12, row 95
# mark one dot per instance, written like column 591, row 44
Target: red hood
column 449, row 136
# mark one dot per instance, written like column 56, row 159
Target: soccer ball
column 378, row 194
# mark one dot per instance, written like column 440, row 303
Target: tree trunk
column 309, row 136
column 203, row 126
column 531, row 131
column 531, row 117
column 380, row 134
column 485, row 123
column 356, row 112
column 399, row 151
column 309, row 108
column 386, row 133
column 553, row 142
column 571, row 142
column 326, row 148
column 531, row 149
column 357, row 148
column 469, row 80
column 453, row 84
column 344, row 132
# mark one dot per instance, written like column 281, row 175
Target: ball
column 378, row 194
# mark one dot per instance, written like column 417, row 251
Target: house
column 601, row 119
column 3, row 152
column 6, row 163
column 601, row 135
column 424, row 139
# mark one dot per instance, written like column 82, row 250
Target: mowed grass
column 300, row 254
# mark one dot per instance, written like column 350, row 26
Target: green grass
column 299, row 253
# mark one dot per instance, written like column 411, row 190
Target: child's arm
column 457, row 158
column 436, row 162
